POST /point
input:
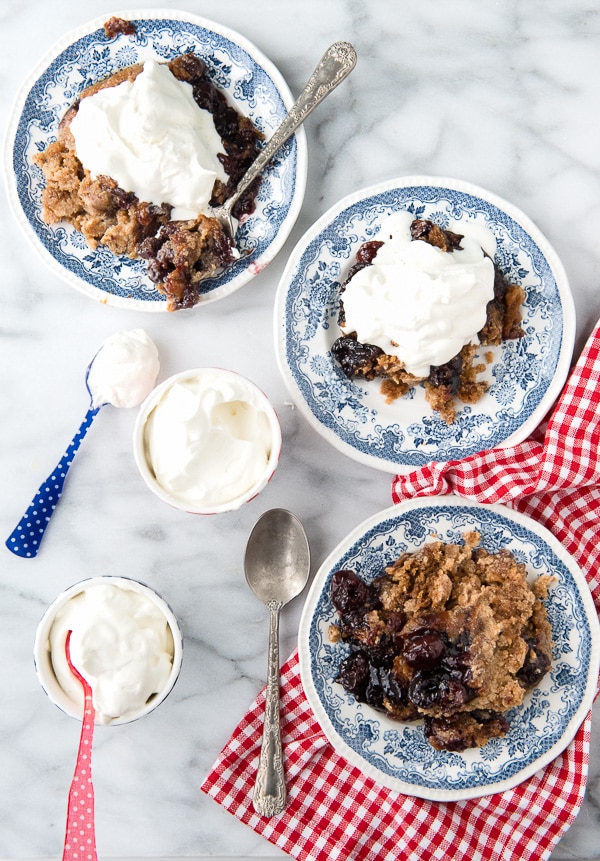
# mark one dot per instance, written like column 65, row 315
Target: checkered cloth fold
column 334, row 811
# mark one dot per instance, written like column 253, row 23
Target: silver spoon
column 335, row 65
column 277, row 565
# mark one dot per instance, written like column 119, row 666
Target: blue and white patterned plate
column 250, row 81
column 525, row 377
column 396, row 754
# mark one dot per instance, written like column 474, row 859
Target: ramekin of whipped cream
column 207, row 440
column 125, row 642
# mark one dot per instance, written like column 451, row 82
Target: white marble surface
column 503, row 94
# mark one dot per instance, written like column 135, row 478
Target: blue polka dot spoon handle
column 26, row 537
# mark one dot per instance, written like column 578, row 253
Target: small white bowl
column 43, row 657
column 249, row 392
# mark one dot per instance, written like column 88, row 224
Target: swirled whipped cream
column 208, row 439
column 153, row 139
column 420, row 303
column 124, row 370
column 121, row 643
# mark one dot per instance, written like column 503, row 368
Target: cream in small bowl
column 125, row 642
column 207, row 440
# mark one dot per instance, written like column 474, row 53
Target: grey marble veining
column 505, row 95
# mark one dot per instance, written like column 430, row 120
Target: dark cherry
column 188, row 68
column 226, row 120
column 447, row 375
column 364, row 257
column 383, row 654
column 148, row 249
column 115, row 25
column 123, row 199
column 348, row 591
column 500, row 284
column 354, row 673
column 424, row 651
column 374, row 691
column 535, row 666
column 205, row 95
column 445, row 734
column 368, row 251
column 369, row 683
column 352, row 355
column 429, row 689
column 422, row 228
column 155, row 271
column 458, row 666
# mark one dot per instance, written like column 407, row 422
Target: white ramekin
column 43, row 658
column 256, row 397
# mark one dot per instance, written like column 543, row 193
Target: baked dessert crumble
column 450, row 634
column 456, row 378
column 180, row 254
column 118, row 26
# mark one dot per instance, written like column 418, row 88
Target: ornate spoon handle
column 335, row 65
column 26, row 537
column 269, row 788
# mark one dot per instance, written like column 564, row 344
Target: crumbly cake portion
column 451, row 634
column 118, row 26
column 457, row 378
column 179, row 254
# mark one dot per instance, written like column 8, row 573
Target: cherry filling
column 365, row 360
column 451, row 634
column 411, row 668
column 180, row 255
column 438, row 669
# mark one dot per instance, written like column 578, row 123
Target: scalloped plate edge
column 396, row 784
column 569, row 317
column 159, row 304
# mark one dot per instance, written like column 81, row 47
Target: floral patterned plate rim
column 396, row 755
column 525, row 377
column 86, row 55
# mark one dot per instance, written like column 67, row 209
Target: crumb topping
column 450, row 634
column 457, row 380
column 180, row 255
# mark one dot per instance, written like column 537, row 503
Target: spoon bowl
column 277, row 560
column 277, row 566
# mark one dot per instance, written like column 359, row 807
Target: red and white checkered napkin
column 335, row 812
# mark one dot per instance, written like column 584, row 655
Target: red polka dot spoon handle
column 80, row 834
column 26, row 537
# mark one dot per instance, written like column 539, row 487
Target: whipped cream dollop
column 208, row 439
column 124, row 370
column 153, row 139
column 420, row 303
column 121, row 643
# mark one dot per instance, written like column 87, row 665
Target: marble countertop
column 504, row 95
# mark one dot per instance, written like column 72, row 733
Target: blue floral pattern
column 237, row 69
column 525, row 376
column 397, row 754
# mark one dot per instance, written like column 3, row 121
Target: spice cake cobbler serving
column 134, row 124
column 416, row 306
column 450, row 634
